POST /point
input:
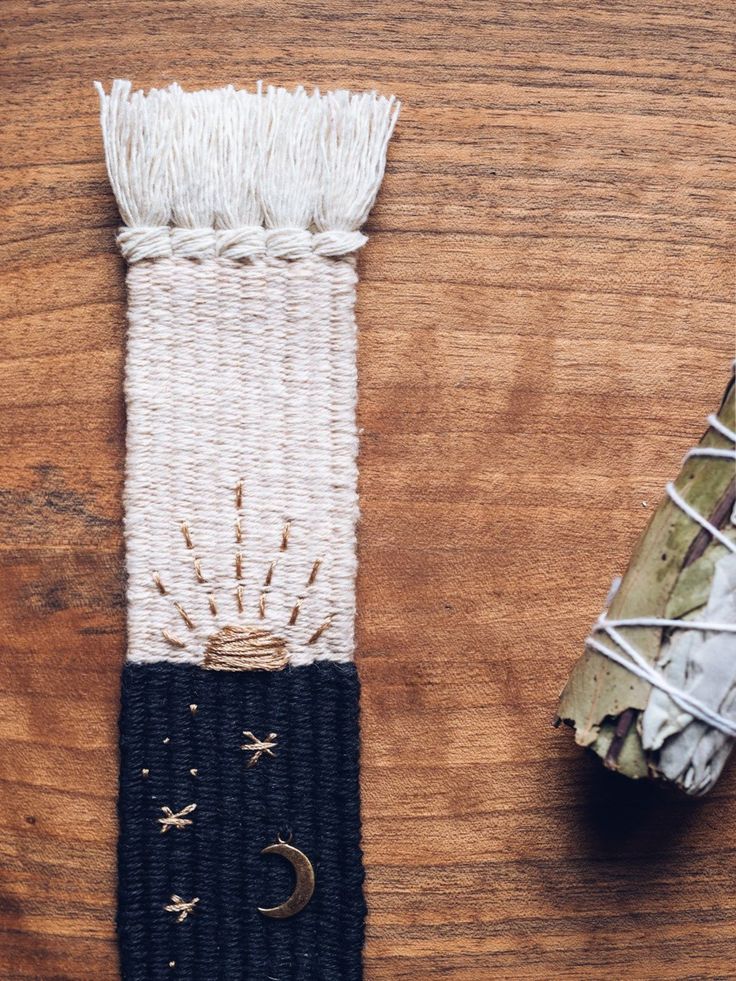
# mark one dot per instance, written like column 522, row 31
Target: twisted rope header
column 250, row 242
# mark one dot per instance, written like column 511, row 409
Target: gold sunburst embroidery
column 241, row 647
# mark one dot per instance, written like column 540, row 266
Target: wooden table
column 546, row 318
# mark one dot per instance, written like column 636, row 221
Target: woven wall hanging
column 239, row 725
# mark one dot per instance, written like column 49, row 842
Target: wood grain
column 546, row 318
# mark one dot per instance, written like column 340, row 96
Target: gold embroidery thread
column 259, row 746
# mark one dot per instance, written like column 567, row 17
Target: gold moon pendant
column 304, row 881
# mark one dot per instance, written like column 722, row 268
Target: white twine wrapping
column 631, row 659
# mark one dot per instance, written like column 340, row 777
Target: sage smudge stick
column 651, row 696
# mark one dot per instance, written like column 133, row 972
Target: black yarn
column 311, row 790
column 181, row 846
column 302, row 792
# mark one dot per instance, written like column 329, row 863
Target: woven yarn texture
column 309, row 791
column 240, row 373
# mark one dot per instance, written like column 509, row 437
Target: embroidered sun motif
column 242, row 647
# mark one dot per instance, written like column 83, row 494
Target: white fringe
column 232, row 159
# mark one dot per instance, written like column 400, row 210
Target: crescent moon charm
column 304, row 881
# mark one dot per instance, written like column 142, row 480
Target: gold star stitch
column 181, row 906
column 258, row 747
column 176, row 820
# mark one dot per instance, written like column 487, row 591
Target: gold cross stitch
column 181, row 906
column 258, row 747
column 176, row 820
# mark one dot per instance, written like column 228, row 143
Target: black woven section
column 309, row 791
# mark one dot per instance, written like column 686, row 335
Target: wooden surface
column 546, row 318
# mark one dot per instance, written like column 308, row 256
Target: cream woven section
column 241, row 374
